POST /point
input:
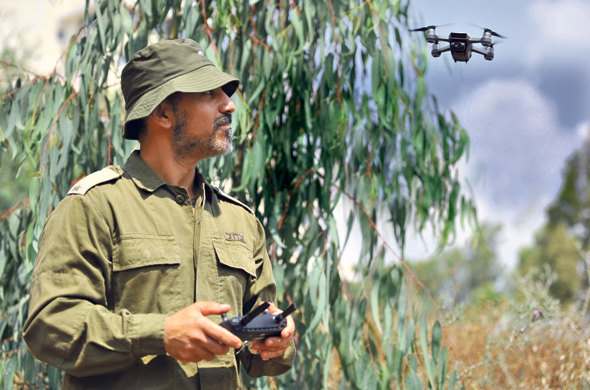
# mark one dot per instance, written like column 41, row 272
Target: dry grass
column 541, row 354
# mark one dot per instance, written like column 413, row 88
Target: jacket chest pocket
column 146, row 272
column 235, row 270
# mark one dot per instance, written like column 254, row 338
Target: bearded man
column 137, row 263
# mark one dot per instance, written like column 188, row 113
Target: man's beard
column 186, row 146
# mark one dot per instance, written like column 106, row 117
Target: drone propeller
column 494, row 33
column 423, row 28
column 429, row 27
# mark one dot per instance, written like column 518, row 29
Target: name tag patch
column 234, row 237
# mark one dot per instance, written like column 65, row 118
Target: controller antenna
column 250, row 316
column 280, row 317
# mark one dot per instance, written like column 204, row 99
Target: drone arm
column 443, row 39
column 477, row 50
column 488, row 54
column 436, row 50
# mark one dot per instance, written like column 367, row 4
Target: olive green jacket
column 121, row 252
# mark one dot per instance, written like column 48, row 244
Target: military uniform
column 121, row 252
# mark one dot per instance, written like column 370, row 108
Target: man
column 137, row 263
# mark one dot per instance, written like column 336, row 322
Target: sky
column 526, row 111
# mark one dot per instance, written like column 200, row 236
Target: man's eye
column 208, row 92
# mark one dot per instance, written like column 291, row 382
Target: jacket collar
column 141, row 173
column 147, row 179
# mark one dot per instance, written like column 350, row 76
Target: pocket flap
column 235, row 254
column 138, row 250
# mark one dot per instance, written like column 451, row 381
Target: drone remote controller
column 258, row 324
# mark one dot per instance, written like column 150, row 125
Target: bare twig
column 13, row 208
column 403, row 263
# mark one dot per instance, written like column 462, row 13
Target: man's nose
column 226, row 105
column 229, row 106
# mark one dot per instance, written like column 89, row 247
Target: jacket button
column 179, row 199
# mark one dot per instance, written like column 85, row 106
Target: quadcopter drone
column 461, row 44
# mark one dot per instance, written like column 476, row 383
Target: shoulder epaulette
column 231, row 199
column 99, row 177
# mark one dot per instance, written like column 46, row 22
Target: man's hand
column 273, row 347
column 189, row 336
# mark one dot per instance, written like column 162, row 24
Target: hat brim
column 202, row 79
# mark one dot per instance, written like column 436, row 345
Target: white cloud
column 564, row 21
column 517, row 153
column 559, row 29
column 517, row 144
column 583, row 130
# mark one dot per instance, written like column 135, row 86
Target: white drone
column 461, row 44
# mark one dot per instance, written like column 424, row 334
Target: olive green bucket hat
column 161, row 69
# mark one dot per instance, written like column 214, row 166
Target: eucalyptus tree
column 332, row 109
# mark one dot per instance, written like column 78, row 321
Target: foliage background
column 333, row 105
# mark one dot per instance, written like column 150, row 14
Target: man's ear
column 163, row 116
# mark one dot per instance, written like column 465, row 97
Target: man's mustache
column 223, row 119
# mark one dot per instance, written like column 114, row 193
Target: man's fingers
column 190, row 336
column 213, row 329
column 276, row 343
column 272, row 309
column 224, row 336
column 289, row 330
column 212, row 348
column 196, row 354
column 265, row 355
column 209, row 308
column 275, row 346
